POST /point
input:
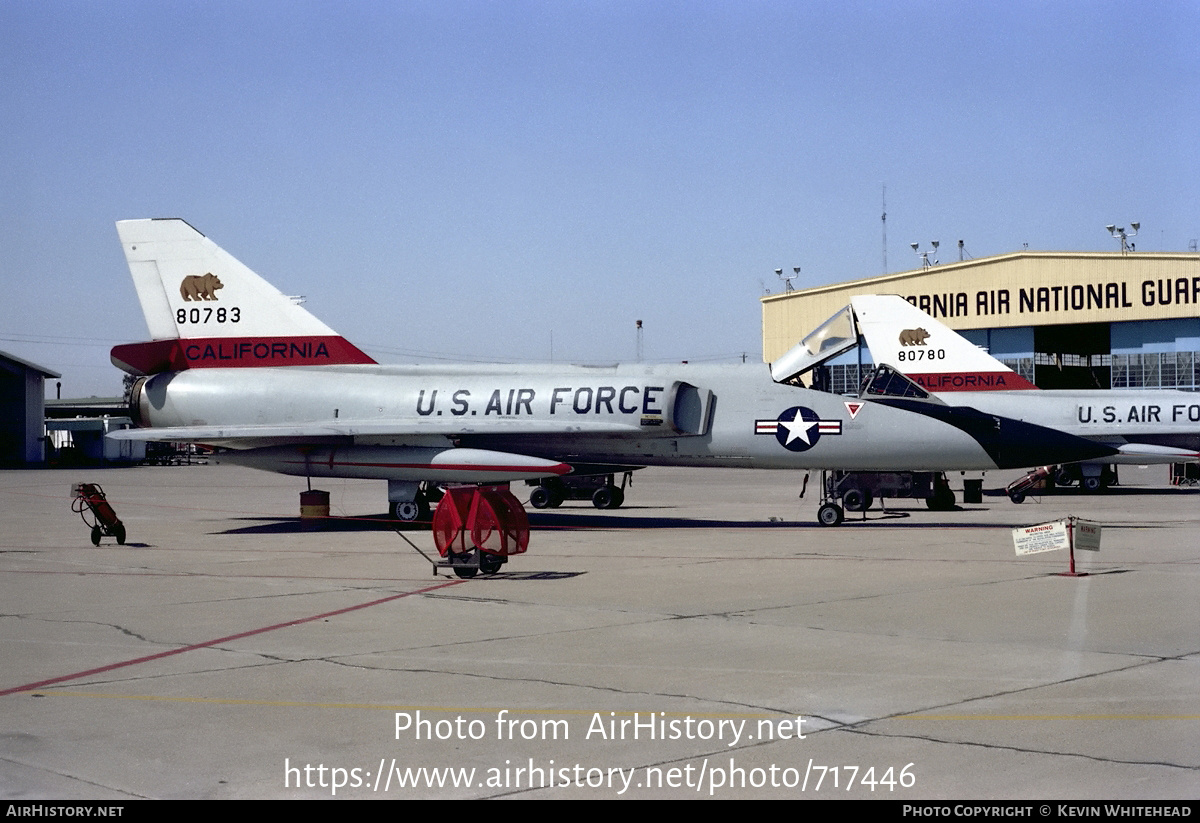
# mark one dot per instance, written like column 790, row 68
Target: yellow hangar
column 1060, row 319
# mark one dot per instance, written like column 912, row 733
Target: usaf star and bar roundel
column 798, row 429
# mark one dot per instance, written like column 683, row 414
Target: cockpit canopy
column 836, row 335
column 885, row 381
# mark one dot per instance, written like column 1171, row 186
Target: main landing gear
column 409, row 502
column 410, row 511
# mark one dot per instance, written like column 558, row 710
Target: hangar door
column 1077, row 356
column 12, row 417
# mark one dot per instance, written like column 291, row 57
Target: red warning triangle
column 853, row 406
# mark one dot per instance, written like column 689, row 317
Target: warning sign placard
column 1045, row 537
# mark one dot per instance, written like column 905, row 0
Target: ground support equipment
column 477, row 528
column 601, row 489
column 843, row 491
column 89, row 499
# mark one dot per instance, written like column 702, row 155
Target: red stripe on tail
column 236, row 352
column 972, row 381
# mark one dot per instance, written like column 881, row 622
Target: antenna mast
column 884, row 221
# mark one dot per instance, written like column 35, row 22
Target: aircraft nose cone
column 1011, row 444
column 1020, row 445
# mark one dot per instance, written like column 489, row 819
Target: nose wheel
column 830, row 514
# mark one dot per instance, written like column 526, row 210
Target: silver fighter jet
column 1139, row 426
column 235, row 364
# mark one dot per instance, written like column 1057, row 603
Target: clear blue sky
column 482, row 180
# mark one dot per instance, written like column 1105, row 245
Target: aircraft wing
column 232, row 434
column 334, row 445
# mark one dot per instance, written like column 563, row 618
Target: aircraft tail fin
column 205, row 309
column 926, row 350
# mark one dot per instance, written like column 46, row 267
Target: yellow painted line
column 233, row 701
column 305, row 704
column 1047, row 717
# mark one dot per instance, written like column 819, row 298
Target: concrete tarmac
column 706, row 640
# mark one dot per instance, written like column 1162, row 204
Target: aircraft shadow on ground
column 538, row 521
column 586, row 520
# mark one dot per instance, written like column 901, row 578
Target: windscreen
column 887, row 382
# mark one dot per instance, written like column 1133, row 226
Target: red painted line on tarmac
column 146, row 659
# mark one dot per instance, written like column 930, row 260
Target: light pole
column 1119, row 233
column 924, row 255
column 787, row 281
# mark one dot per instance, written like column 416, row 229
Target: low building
column 78, row 426
column 22, row 410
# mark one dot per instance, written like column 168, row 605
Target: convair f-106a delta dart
column 1141, row 426
column 235, row 364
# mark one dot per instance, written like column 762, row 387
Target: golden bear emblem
column 913, row 337
column 200, row 287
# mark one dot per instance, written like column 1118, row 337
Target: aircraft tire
column 1091, row 485
column 830, row 514
column 603, row 498
column 618, row 498
column 541, row 498
column 410, row 511
column 857, row 500
column 942, row 499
